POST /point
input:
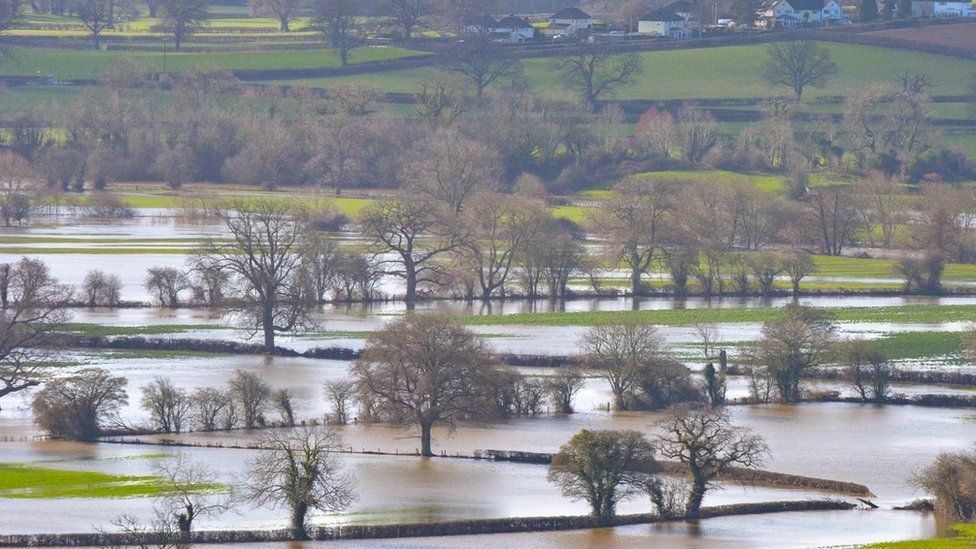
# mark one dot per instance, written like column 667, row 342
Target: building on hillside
column 929, row 8
column 795, row 14
column 513, row 30
column 479, row 25
column 570, row 21
column 663, row 22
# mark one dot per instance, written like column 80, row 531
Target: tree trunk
column 298, row 520
column 283, row 23
column 635, row 282
column 694, row 501
column 425, row 428
column 411, row 277
column 267, row 324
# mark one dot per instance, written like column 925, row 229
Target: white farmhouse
column 514, row 30
column 803, row 13
column 663, row 23
column 571, row 21
column 929, row 8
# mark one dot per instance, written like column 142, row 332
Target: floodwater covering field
column 878, row 446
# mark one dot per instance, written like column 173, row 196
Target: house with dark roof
column 512, row 29
column 663, row 22
column 482, row 24
column 570, row 21
column 796, row 14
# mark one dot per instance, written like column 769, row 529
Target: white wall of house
column 515, row 36
column 953, row 9
column 659, row 28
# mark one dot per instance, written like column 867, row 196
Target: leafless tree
column 397, row 226
column 210, row 280
column 33, row 305
column 186, row 496
column 879, row 205
column 282, row 400
column 299, row 470
column 103, row 289
column 283, row 10
column 593, row 71
column 425, row 370
column 563, row 386
column 834, row 213
column 798, row 265
column 267, row 246
column 452, row 168
column 166, row 284
column 181, row 15
column 252, row 394
column 603, row 467
column 481, row 61
column 10, row 13
column 951, row 478
column 632, row 223
column 707, row 443
column 339, row 393
column 868, row 370
column 76, row 406
column 620, row 353
column 17, row 188
column 796, row 65
column 495, row 228
column 169, row 407
column 802, row 339
column 338, row 141
column 409, row 14
column 697, row 133
column 884, row 126
column 95, row 15
column 209, row 405
column 336, row 20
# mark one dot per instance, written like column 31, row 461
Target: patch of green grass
column 965, row 539
column 901, row 314
column 347, row 205
column 909, row 345
column 66, row 64
column 19, row 481
column 34, row 250
column 88, row 329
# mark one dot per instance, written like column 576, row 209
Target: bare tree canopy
column 336, row 20
column 481, row 61
column 708, row 444
column 797, row 65
column 18, row 185
column 77, row 406
column 181, row 15
column 283, row 10
column 621, row 353
column 187, row 496
column 425, row 370
column 31, row 306
column 264, row 256
column 452, row 168
column 409, row 15
column 95, row 15
column 593, row 71
column 951, row 478
column 603, row 468
column 299, row 470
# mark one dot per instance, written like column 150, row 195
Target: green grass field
column 903, row 314
column 67, row 64
column 24, row 481
column 716, row 73
column 156, row 329
column 965, row 538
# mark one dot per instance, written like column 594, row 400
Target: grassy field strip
column 91, row 329
column 20, row 250
column 901, row 314
column 19, row 481
column 964, row 538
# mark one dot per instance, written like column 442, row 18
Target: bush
column 75, row 406
column 942, row 164
column 952, row 480
column 102, row 205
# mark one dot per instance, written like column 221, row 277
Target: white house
column 514, row 30
column 687, row 10
column 929, row 8
column 571, row 21
column 663, row 23
column 479, row 25
column 803, row 13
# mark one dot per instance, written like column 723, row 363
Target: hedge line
column 387, row 531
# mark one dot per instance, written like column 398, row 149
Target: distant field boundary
column 413, row 530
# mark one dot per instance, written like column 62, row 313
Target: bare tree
column 409, row 14
column 10, row 13
column 397, row 226
column 452, row 168
column 563, row 386
column 800, row 340
column 796, row 65
column 632, row 223
column 283, row 10
column 496, row 227
column 267, row 246
column 252, row 394
column 798, row 265
column 868, row 370
column 834, row 213
column 33, row 306
column 168, row 406
column 339, row 393
column 187, row 494
column 17, row 188
column 951, row 478
column 95, row 15
column 281, row 399
column 336, row 20
column 299, row 470
column 76, row 406
column 425, row 370
column 102, row 289
column 181, row 15
column 707, row 443
column 603, row 467
column 481, row 61
column 166, row 284
column 593, row 71
column 697, row 133
column 209, row 405
column 620, row 353
column 338, row 141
